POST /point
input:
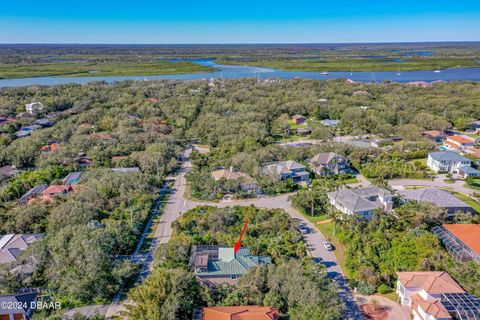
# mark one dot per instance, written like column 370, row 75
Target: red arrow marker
column 238, row 244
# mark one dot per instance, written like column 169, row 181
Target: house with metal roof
column 362, row 202
column 283, row 170
column 33, row 193
column 220, row 264
column 72, row 178
column 447, row 161
column 438, row 197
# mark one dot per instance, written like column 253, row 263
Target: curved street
column 178, row 204
column 457, row 186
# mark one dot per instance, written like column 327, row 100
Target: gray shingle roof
column 447, row 156
column 358, row 200
column 11, row 245
column 441, row 198
column 283, row 166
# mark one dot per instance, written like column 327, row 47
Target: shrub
column 383, row 289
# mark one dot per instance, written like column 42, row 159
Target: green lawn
column 350, row 181
column 474, row 186
column 327, row 230
column 468, row 200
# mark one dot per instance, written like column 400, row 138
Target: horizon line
column 238, row 43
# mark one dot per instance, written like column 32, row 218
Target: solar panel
column 462, row 306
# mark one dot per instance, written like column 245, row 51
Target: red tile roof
column 460, row 139
column 435, row 282
column 469, row 234
column 240, row 313
column 431, row 307
column 50, row 147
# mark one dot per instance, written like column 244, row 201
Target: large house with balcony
column 459, row 142
column 327, row 163
column 447, row 161
column 362, row 202
column 283, row 170
column 435, row 296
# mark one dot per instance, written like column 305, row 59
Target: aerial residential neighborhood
column 309, row 160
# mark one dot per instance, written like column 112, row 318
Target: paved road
column 314, row 241
column 437, row 182
column 178, row 204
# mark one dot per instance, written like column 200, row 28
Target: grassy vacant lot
column 98, row 68
column 357, row 64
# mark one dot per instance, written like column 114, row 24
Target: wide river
column 224, row 71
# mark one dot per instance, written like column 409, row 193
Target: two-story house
column 283, row 170
column 327, row 163
column 425, row 293
column 459, row 142
column 214, row 265
column 447, row 161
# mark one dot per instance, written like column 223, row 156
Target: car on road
column 303, row 228
column 328, row 246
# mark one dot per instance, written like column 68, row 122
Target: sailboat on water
column 438, row 70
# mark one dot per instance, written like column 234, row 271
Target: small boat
column 398, row 73
column 324, row 73
column 437, row 71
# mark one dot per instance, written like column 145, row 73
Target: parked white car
column 328, row 246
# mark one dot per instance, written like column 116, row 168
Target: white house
column 33, row 107
column 447, row 161
column 423, row 293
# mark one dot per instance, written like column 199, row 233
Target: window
column 401, row 288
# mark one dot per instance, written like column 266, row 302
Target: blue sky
column 245, row 21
